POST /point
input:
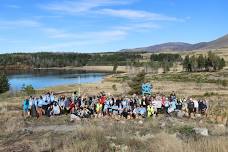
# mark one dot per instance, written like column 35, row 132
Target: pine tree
column 222, row 63
column 187, row 64
column 136, row 83
column 115, row 68
column 200, row 62
column 4, row 83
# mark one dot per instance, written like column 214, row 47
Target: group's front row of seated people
column 107, row 105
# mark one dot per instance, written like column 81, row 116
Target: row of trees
column 67, row 59
column 166, row 57
column 120, row 58
column 4, row 83
column 164, row 60
column 44, row 59
column 211, row 62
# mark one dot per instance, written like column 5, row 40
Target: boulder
column 74, row 118
column 201, row 131
column 140, row 122
column 180, row 114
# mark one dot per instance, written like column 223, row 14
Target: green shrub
column 186, row 130
column 29, row 90
column 4, row 83
column 136, row 83
column 114, row 87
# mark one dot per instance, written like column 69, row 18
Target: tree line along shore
column 15, row 61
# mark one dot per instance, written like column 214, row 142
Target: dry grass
column 96, row 136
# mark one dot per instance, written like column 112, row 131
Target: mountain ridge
column 221, row 42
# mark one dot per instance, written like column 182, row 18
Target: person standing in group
column 25, row 106
column 190, row 107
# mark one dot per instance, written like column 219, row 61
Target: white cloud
column 137, row 14
column 95, row 38
column 18, row 23
column 138, row 26
column 56, row 33
column 72, row 7
column 102, row 7
column 61, row 34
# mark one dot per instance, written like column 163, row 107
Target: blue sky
column 107, row 25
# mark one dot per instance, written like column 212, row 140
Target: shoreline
column 109, row 69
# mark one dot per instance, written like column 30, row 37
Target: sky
column 89, row 26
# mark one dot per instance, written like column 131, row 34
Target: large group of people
column 102, row 105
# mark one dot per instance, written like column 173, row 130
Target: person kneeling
column 55, row 109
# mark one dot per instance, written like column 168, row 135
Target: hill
column 221, row 42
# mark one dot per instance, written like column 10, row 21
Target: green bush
column 114, row 87
column 29, row 90
column 136, row 83
column 186, row 130
column 4, row 83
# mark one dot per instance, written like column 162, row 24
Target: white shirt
column 56, row 110
column 158, row 103
column 196, row 104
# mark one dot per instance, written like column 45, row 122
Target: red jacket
column 102, row 100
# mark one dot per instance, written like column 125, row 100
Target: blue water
column 49, row 78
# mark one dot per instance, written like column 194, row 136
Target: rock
column 140, row 122
column 180, row 114
column 201, row 131
column 74, row 118
column 26, row 130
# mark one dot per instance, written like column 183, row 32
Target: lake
column 49, row 78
